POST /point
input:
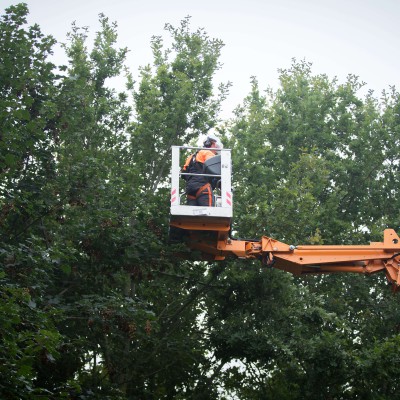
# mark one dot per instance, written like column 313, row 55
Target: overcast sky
column 339, row 37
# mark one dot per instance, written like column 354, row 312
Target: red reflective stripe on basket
column 228, row 198
column 173, row 197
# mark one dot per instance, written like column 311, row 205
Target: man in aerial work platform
column 198, row 188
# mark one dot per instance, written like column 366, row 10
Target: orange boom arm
column 307, row 259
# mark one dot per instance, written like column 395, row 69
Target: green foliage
column 312, row 165
column 315, row 143
column 101, row 308
column 27, row 336
column 95, row 304
column 175, row 101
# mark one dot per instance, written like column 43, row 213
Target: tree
column 311, row 167
column 28, row 334
column 129, row 308
column 175, row 101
